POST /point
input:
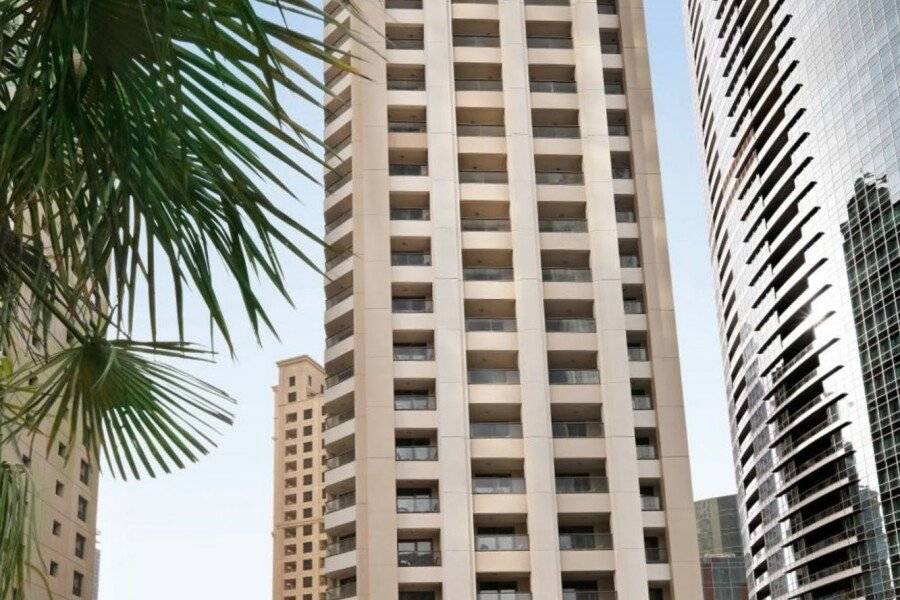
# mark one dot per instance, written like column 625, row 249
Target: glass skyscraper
column 722, row 566
column 799, row 115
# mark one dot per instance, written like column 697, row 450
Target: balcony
column 493, row 377
column 538, row 41
column 480, row 130
column 500, row 542
column 498, row 485
column 495, row 325
column 410, row 259
column 342, row 592
column 641, row 402
column 341, row 547
column 634, row 307
column 483, row 177
column 585, row 541
column 416, row 453
column 609, row 43
column 485, row 224
column 577, row 429
column 656, row 555
column 488, row 274
column 607, row 7
column 414, row 402
column 560, row 274
column 617, row 129
column 410, row 214
column 546, row 2
column 588, row 595
column 418, row 558
column 335, row 420
column 413, row 352
column 622, row 172
column 338, row 221
column 651, row 503
column 333, row 380
column 581, row 484
column 553, row 87
column 334, row 300
column 341, row 502
column 404, row 4
column 338, row 259
column 559, row 178
column 338, row 337
column 404, row 84
column 571, row 325
column 495, row 430
column 574, row 377
column 477, row 41
column 479, row 85
column 562, row 225
column 407, row 126
column 613, row 88
column 340, row 460
column 638, row 354
column 410, row 504
column 646, row 452
column 625, row 216
column 408, row 170
column 503, row 594
column 412, row 305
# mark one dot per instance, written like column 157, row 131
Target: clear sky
column 205, row 532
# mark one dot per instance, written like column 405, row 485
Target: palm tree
column 136, row 139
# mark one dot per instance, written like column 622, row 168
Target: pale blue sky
column 205, row 532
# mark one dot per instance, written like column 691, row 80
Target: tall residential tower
column 503, row 368
column 799, row 113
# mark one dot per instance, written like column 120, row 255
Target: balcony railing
column 408, row 170
column 479, row 85
column 553, row 87
column 479, row 324
column 419, row 558
column 638, row 354
column 339, row 297
column 483, row 177
column 493, row 376
column 488, row 273
column 502, row 595
column 498, row 485
column 556, row 131
column 536, row 41
column 410, row 214
column 610, row 47
column 634, row 307
column 571, row 325
column 407, row 126
column 341, row 502
column 495, row 430
column 338, row 259
column 335, row 420
column 585, row 541
column 333, row 462
column 563, row 274
column 629, row 261
column 337, row 378
column 340, row 547
column 656, row 555
column 485, row 224
column 646, row 453
column 410, row 259
column 413, row 353
column 577, row 429
column 562, row 225
column 620, row 172
column 607, row 7
column 408, row 4
column 651, row 503
column 338, row 221
column 406, row 84
column 416, row 453
column 581, row 484
column 412, row 305
column 348, row 590
column 500, row 542
column 473, row 1
column 613, row 88
column 641, row 402
column 417, row 505
column 338, row 337
column 405, row 44
column 477, row 41
column 470, row 130
column 559, row 178
column 414, row 402
column 547, row 2
column 589, row 595
column 574, row 376
column 625, row 216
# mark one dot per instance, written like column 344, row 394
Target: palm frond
column 16, row 530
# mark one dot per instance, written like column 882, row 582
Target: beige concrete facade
column 501, row 348
column 65, row 517
column 298, row 533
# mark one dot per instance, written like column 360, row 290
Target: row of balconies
column 604, row 7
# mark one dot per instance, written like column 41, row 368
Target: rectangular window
column 85, row 473
column 77, row 583
column 79, row 545
column 307, row 414
column 57, row 528
column 292, row 381
column 82, row 509
column 292, row 396
column 54, row 569
column 60, row 488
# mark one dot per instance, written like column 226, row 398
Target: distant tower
column 722, row 564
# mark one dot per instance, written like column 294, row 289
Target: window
column 60, row 488
column 85, row 473
column 307, row 430
column 307, row 480
column 307, row 530
column 61, row 449
column 292, row 417
column 77, row 583
column 54, row 569
column 82, row 509
column 307, row 582
column 292, row 381
column 307, row 547
column 307, row 446
column 307, row 463
column 307, row 513
column 307, row 565
column 309, row 380
column 57, row 528
column 307, row 496
column 307, row 414
column 79, row 545
column 292, row 396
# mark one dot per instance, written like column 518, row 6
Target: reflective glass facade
column 722, row 566
column 799, row 115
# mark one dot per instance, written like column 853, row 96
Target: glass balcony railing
column 498, row 485
column 406, row 4
column 646, row 453
column 607, row 7
column 620, row 172
column 485, row 224
column 629, row 261
column 419, row 558
column 338, row 337
column 634, row 307
column 588, row 595
column 407, row 126
column 414, row 402
column 656, row 555
column 413, row 353
column 625, row 216
column 335, row 420
column 651, row 503
column 416, row 453
column 417, row 505
column 617, row 129
column 410, row 214
column 638, row 354
column 338, row 221
column 500, row 542
column 405, row 44
column 348, row 590
column 613, row 88
column 574, row 376
column 536, row 41
column 341, row 502
column 559, row 178
column 333, row 462
column 337, row 378
column 410, row 259
column 502, row 594
column 493, row 376
column 408, row 170
column 470, row 130
column 406, row 84
column 483, row 177
column 547, row 2
column 577, row 429
column 339, row 297
column 338, row 259
column 553, row 87
column 488, row 273
column 340, row 547
column 495, row 430
column 562, row 225
column 556, row 131
column 641, row 402
column 572, row 325
column 477, row 41
column 581, row 484
column 610, row 47
column 479, row 85
column 412, row 305
column 497, row 325
column 473, row 1
column 563, row 274
column 585, row 541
